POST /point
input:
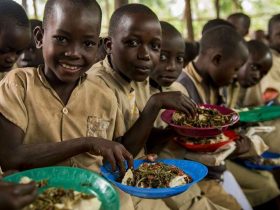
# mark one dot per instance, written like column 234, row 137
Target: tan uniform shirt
column 2, row 75
column 209, row 97
column 271, row 80
column 28, row 101
column 131, row 96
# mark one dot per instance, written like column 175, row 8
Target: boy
column 133, row 49
column 249, row 76
column 241, row 22
column 261, row 187
column 42, row 120
column 31, row 56
column 165, row 73
column 222, row 52
column 14, row 34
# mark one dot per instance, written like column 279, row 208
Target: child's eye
column 60, row 39
column 163, row 57
column 156, row 46
column 132, row 43
column 180, row 59
column 89, row 43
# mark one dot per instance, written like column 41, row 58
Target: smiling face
column 171, row 60
column 69, row 44
column 135, row 47
column 13, row 40
column 256, row 67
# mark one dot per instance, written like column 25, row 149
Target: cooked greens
column 205, row 118
column 156, row 175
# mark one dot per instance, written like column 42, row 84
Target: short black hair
column 214, row 23
column 245, row 18
column 274, row 19
column 119, row 13
column 222, row 37
column 169, row 29
column 12, row 13
column 78, row 3
column 257, row 47
column 191, row 51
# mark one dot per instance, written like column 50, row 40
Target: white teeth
column 69, row 67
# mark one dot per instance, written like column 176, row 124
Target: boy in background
column 222, row 53
column 241, row 22
column 31, row 56
column 14, row 34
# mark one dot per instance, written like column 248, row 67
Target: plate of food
column 68, row 188
column 268, row 161
column 210, row 120
column 161, row 179
column 207, row 144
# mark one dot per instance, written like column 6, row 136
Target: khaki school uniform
column 32, row 104
column 2, row 75
column 212, row 188
column 29, row 102
column 132, row 97
column 261, row 187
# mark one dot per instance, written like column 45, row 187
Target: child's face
column 31, row 56
column 69, row 44
column 171, row 61
column 13, row 40
column 274, row 36
column 254, row 69
column 135, row 48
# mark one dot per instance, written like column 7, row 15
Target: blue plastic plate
column 73, row 178
column 196, row 170
column 266, row 155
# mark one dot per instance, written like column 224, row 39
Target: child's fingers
column 110, row 157
column 26, row 199
column 120, row 162
column 129, row 158
column 24, row 189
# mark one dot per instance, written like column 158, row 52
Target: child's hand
column 16, row 196
column 113, row 152
column 243, row 144
column 176, row 100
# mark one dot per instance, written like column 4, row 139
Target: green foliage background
column 202, row 11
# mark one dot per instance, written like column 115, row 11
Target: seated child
column 161, row 77
column 42, row 120
column 31, row 56
column 241, row 22
column 222, row 52
column 15, row 34
column 261, row 187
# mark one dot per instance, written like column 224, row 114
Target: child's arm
column 136, row 137
column 16, row 155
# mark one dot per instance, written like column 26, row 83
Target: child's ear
column 108, row 45
column 216, row 59
column 38, row 33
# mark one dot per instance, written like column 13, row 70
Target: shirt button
column 65, row 110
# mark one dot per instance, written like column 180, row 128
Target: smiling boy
column 42, row 120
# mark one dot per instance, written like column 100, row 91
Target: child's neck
column 63, row 89
column 119, row 72
column 200, row 68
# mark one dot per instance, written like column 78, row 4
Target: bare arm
column 135, row 138
column 16, row 155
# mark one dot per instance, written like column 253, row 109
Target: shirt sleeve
column 12, row 95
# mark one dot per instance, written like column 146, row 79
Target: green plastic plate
column 260, row 114
column 73, row 178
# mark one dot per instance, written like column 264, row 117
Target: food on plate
column 156, row 175
column 205, row 140
column 205, row 118
column 61, row 199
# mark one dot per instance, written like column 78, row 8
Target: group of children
column 68, row 105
